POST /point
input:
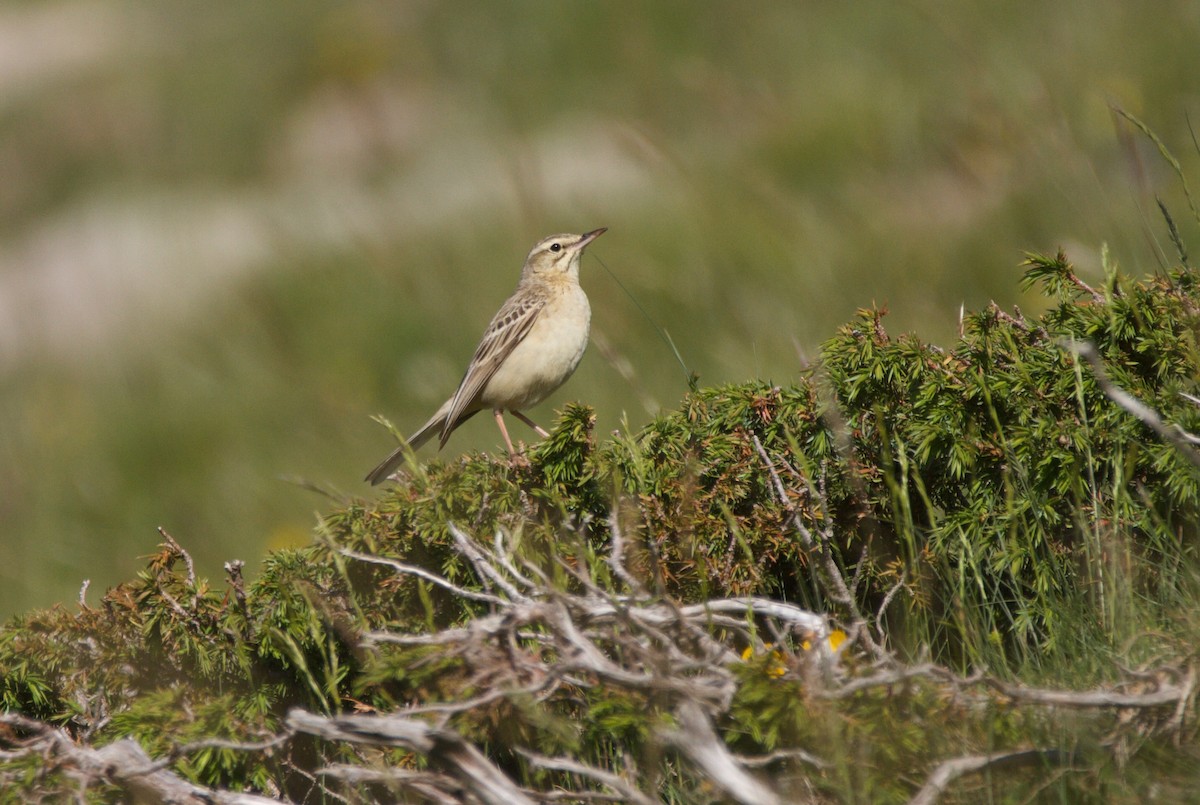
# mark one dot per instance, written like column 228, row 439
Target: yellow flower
column 775, row 667
column 836, row 638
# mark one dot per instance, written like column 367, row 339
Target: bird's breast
column 546, row 357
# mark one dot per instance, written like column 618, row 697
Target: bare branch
column 760, row 761
column 629, row 792
column 839, row 591
column 549, row 643
column 492, row 695
column 501, row 553
column 765, row 607
column 1187, row 696
column 1164, row 695
column 887, row 599
column 444, row 749
column 616, row 554
column 217, row 743
column 948, row 771
column 697, row 740
column 1173, row 435
column 178, row 550
column 892, row 676
column 422, row 573
column 435, row 787
column 478, row 557
column 126, row 765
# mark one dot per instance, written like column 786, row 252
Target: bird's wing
column 507, row 329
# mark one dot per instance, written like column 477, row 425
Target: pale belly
column 545, row 359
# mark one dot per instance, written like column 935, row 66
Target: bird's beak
column 590, row 236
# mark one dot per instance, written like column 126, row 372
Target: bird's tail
column 396, row 457
column 385, row 467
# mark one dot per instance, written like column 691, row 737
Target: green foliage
column 1017, row 518
column 753, row 209
column 168, row 717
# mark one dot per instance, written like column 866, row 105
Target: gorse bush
column 981, row 506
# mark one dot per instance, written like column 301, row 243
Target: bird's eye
column 556, row 247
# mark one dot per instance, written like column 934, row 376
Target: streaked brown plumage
column 531, row 347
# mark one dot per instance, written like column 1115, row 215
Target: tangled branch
column 538, row 640
column 123, row 763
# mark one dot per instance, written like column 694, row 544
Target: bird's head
column 558, row 255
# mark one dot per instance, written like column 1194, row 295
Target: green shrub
column 1006, row 511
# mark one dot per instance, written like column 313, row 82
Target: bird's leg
column 499, row 414
column 541, row 432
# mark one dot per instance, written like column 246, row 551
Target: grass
column 763, row 175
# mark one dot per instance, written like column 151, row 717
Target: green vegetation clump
column 982, row 521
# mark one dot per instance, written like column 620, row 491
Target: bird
column 530, row 348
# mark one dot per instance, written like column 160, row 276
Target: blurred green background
column 230, row 233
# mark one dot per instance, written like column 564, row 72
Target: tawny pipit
column 530, row 349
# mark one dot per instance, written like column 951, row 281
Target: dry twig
column 1173, row 435
column 443, row 748
column 948, row 771
column 123, row 764
column 698, row 741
